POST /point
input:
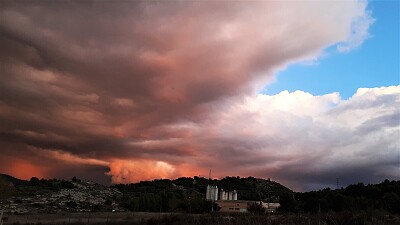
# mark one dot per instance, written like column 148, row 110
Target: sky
column 374, row 64
column 302, row 92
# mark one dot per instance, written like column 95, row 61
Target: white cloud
column 299, row 139
column 318, row 133
column 302, row 139
column 360, row 24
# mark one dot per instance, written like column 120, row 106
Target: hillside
column 187, row 194
column 55, row 196
column 180, row 195
column 10, row 179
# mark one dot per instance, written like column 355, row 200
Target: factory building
column 228, row 195
column 212, row 194
column 241, row 206
column 228, row 200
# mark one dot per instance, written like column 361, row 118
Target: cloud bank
column 143, row 90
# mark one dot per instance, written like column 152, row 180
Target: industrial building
column 212, row 194
column 241, row 206
column 228, row 200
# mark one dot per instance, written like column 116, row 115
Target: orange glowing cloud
column 24, row 169
column 128, row 171
column 68, row 157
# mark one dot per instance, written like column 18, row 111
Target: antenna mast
column 337, row 183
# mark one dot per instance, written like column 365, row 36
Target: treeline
column 248, row 188
column 188, row 194
column 355, row 197
column 162, row 196
column 34, row 186
column 52, row 184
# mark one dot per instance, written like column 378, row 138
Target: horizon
column 215, row 178
column 299, row 92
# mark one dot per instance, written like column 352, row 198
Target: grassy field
column 129, row 218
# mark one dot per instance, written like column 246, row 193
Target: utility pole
column 212, row 192
column 268, row 189
column 337, row 183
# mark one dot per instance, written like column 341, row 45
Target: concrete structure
column 228, row 195
column 212, row 193
column 221, row 194
column 271, row 207
column 232, row 206
column 241, row 205
column 234, row 195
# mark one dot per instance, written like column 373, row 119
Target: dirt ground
column 139, row 218
column 86, row 218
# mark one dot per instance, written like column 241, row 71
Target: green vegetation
column 37, row 186
column 187, row 194
column 5, row 191
column 256, row 208
column 355, row 197
column 165, row 196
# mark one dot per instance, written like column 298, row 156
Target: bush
column 256, row 208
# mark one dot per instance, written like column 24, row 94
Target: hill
column 355, row 197
column 187, row 194
column 184, row 194
column 56, row 196
column 10, row 179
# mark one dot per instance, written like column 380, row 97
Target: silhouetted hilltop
column 14, row 181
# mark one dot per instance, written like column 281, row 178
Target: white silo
column 230, row 195
column 208, row 192
column 215, row 196
column 234, row 195
column 221, row 194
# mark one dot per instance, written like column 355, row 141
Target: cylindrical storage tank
column 221, row 194
column 230, row 196
column 234, row 195
column 225, row 195
column 215, row 193
column 208, row 192
column 212, row 192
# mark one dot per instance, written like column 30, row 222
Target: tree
column 255, row 208
column 338, row 202
column 5, row 191
column 391, row 202
column 287, row 202
column 34, row 181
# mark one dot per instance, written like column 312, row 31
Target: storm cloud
column 144, row 90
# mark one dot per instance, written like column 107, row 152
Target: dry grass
column 127, row 218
